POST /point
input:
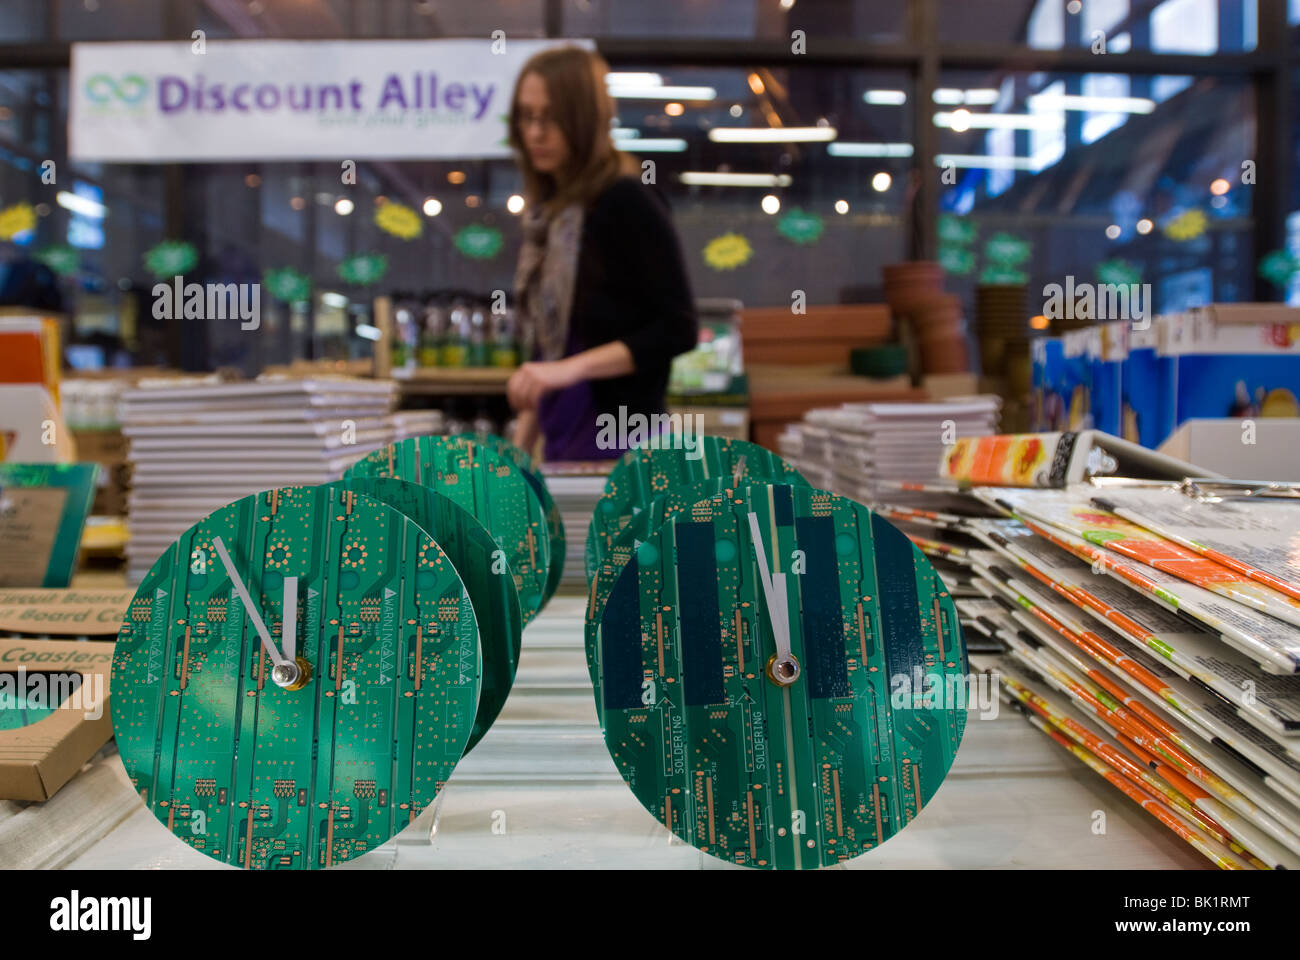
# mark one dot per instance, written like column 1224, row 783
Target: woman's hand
column 533, row 380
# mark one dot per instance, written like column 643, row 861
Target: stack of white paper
column 199, row 446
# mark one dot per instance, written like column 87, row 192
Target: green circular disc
column 265, row 777
column 782, row 771
column 484, row 571
column 646, row 472
column 490, row 487
column 628, row 542
column 554, row 523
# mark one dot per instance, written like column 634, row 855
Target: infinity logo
column 100, row 88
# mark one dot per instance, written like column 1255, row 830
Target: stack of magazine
column 1151, row 629
column 199, row 444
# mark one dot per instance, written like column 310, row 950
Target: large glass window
column 1159, row 26
column 1081, row 174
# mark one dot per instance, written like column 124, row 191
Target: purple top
column 567, row 418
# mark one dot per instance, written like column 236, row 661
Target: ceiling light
column 662, row 93
column 981, row 162
column 771, row 204
column 343, row 206
column 841, row 207
column 515, row 203
column 432, row 206
column 630, row 79
column 722, row 179
column 1060, row 101
column 83, row 206
column 651, row 145
column 881, row 182
column 1145, row 226
column 885, row 98
column 848, row 148
column 963, row 120
column 772, row 134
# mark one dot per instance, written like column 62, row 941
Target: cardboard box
column 70, row 613
column 1253, row 314
column 732, row 422
column 38, row 758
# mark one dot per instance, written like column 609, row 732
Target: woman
column 601, row 286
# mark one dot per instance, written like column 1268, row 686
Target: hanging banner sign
column 294, row 100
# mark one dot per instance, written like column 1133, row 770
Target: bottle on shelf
column 504, row 346
column 432, row 335
column 455, row 348
column 478, row 337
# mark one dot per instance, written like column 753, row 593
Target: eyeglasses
column 543, row 120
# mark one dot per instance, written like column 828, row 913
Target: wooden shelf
column 456, row 381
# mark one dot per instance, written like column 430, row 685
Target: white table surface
column 1013, row 799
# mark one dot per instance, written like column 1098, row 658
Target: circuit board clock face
column 750, row 654
column 295, row 679
column 490, row 487
column 644, row 473
column 482, row 568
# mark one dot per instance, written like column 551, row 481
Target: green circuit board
column 490, row 487
column 663, row 508
column 265, row 777
column 803, row 774
column 554, row 523
column 482, row 568
column 644, row 473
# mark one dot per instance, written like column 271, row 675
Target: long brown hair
column 584, row 111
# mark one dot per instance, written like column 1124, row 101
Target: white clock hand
column 782, row 668
column 290, row 618
column 277, row 657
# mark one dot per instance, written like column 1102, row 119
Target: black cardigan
column 631, row 285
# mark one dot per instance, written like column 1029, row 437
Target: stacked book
column 576, row 486
column 198, row 444
column 859, row 449
column 1152, row 630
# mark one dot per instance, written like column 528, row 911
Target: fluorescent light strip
column 630, row 92
column 885, row 98
column 1003, row 121
column 628, row 79
column 81, row 205
column 701, row 178
column 624, row 133
column 772, row 134
column 985, row 96
column 848, row 148
column 980, row 162
column 651, row 145
column 1054, row 101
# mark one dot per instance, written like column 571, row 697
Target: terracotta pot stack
column 915, row 295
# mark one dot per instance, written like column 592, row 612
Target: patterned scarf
column 544, row 279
